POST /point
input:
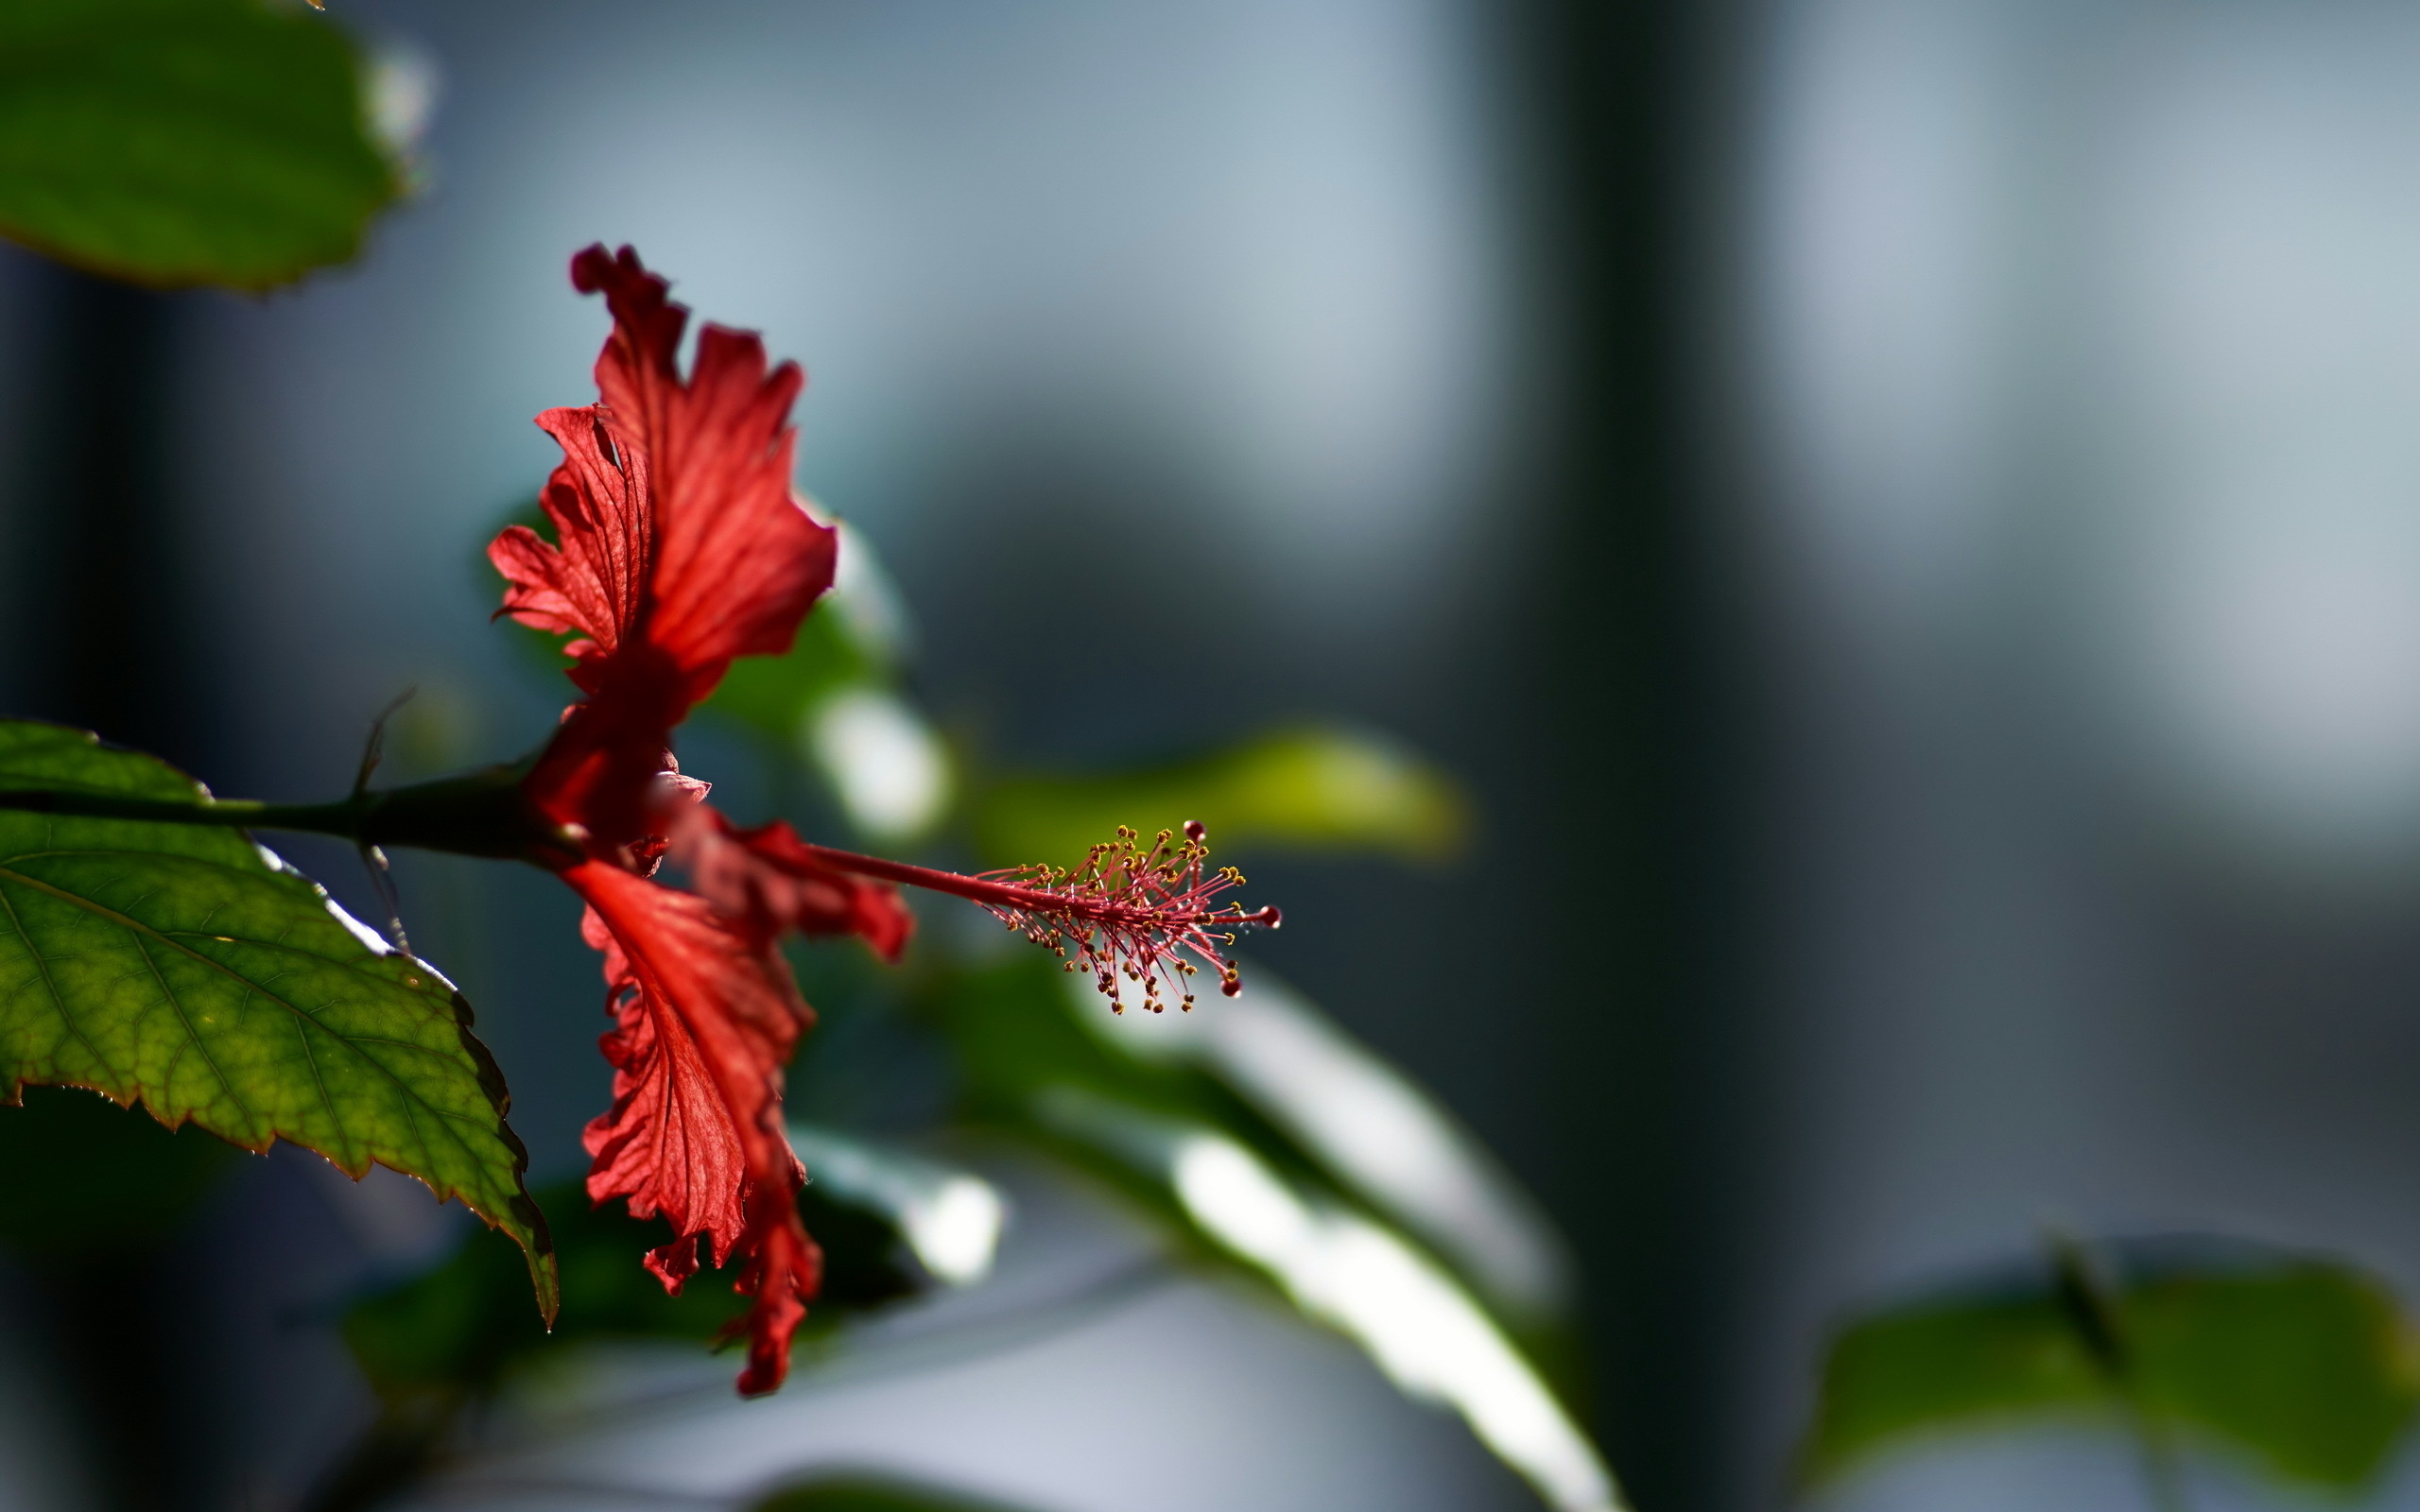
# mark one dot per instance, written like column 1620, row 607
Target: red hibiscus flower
column 678, row 547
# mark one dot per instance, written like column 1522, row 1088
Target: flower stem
column 482, row 813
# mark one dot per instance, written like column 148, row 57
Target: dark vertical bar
column 1642, row 1085
column 100, row 638
column 102, row 634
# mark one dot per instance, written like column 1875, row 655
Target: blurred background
column 1902, row 517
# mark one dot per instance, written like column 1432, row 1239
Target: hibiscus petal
column 767, row 875
column 593, row 577
column 678, row 545
column 736, row 562
column 705, row 1016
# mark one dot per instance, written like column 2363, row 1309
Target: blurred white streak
column 884, row 759
column 403, row 85
column 865, row 597
column 1424, row 1331
column 1376, row 1129
column 952, row 1219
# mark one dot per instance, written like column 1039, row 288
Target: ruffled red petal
column 678, row 544
column 736, row 562
column 705, row 1018
column 593, row 579
column 767, row 875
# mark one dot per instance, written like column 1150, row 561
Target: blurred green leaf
column 2307, row 1368
column 854, row 638
column 86, row 1177
column 436, row 1344
column 771, row 694
column 457, row 1328
column 187, row 967
column 2302, row 1368
column 175, row 141
column 1366, row 1127
column 1938, row 1366
column 1180, row 1136
column 874, row 1493
column 1310, row 788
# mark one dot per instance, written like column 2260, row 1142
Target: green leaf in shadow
column 459, row 1328
column 1944, row 1365
column 175, row 142
column 186, row 967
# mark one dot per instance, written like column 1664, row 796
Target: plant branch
column 340, row 818
column 481, row 813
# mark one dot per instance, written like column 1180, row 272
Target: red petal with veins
column 593, row 582
column 705, row 1016
column 678, row 545
column 736, row 562
column 766, row 875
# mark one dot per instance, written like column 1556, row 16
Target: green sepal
column 184, row 967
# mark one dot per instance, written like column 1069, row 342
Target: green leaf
column 189, row 967
column 2306, row 1369
column 773, row 695
column 1309, row 788
column 175, row 141
column 1185, row 1138
column 870, row 1493
column 459, row 1327
column 2302, row 1368
column 443, row 1340
column 1940, row 1366
column 1365, row 1127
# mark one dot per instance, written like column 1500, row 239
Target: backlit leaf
column 1939, row 1367
column 1187, row 1137
column 186, row 967
column 176, row 142
column 2302, row 1368
column 1311, row 788
column 2305, row 1368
